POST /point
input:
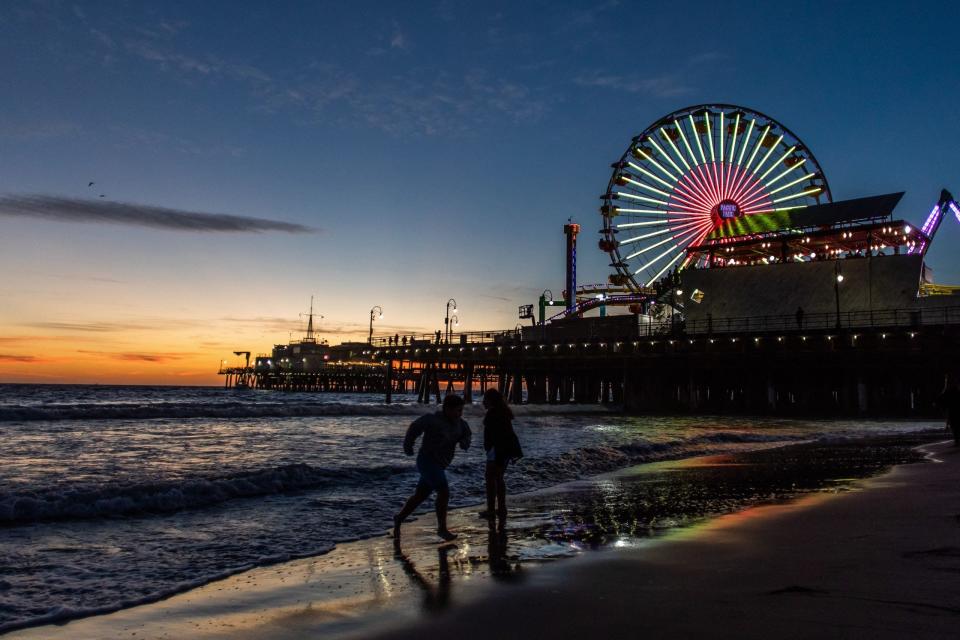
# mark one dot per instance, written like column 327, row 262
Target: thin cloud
column 11, row 358
column 137, row 357
column 62, row 209
column 664, row 86
column 146, row 357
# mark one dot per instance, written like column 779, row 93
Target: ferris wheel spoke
column 757, row 145
column 694, row 182
column 683, row 136
column 785, row 172
column 692, row 199
column 679, row 245
column 801, row 194
column 746, row 140
column 721, row 136
column 642, row 198
column 650, row 174
column 650, row 223
column 650, row 159
column 666, row 155
column 646, row 186
column 654, row 234
column 673, row 145
column 650, row 247
column 733, row 137
column 767, row 155
column 706, row 118
column 696, row 135
column 779, row 160
column 704, row 172
column 740, row 175
column 768, row 192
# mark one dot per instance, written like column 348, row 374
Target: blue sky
column 436, row 148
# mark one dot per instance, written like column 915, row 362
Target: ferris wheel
column 690, row 173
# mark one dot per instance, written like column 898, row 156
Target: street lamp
column 446, row 319
column 377, row 312
column 836, row 288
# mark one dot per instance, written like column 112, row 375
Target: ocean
column 112, row 496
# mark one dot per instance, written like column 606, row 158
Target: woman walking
column 502, row 445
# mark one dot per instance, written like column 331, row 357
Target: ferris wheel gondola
column 692, row 172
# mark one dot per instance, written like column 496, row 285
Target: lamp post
column 377, row 312
column 836, row 288
column 545, row 298
column 446, row 319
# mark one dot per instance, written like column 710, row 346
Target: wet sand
column 878, row 560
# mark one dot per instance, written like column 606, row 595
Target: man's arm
column 413, row 432
column 466, row 437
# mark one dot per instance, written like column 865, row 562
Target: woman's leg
column 499, row 470
column 490, row 480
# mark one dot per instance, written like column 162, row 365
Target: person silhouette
column 949, row 399
column 502, row 446
column 442, row 432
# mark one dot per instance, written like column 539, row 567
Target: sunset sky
column 393, row 154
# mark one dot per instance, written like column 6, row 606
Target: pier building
column 738, row 285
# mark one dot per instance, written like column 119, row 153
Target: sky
column 393, row 154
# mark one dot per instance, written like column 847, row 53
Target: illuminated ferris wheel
column 691, row 173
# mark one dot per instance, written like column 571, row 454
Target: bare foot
column 447, row 535
column 396, row 527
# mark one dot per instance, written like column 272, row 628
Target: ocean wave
column 176, row 495
column 296, row 409
column 185, row 410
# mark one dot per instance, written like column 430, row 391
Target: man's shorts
column 432, row 475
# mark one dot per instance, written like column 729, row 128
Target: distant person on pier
column 799, row 316
column 950, row 400
column 404, row 340
column 502, row 446
column 442, row 432
column 396, row 338
column 438, row 336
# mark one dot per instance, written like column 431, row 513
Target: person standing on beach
column 502, row 445
column 442, row 432
column 950, row 400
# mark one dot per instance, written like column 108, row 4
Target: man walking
column 441, row 431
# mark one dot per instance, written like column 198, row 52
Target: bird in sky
column 90, row 184
column 103, row 195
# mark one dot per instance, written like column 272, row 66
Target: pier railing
column 790, row 323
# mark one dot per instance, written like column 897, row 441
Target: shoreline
column 338, row 588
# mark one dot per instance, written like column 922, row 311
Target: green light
column 675, row 150
column 657, row 164
column 746, row 139
column 683, row 136
column 642, row 198
column 790, row 184
column 697, row 138
column 756, row 147
column 775, row 164
column 650, row 174
column 646, row 186
column 808, row 192
column 630, row 225
column 733, row 137
column 706, row 118
column 783, row 173
column 667, row 156
column 685, row 225
column 721, row 137
column 765, row 157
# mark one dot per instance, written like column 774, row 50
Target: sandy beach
column 877, row 558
